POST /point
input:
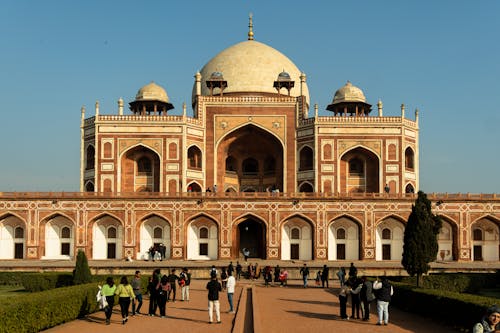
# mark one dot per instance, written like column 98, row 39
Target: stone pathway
column 276, row 310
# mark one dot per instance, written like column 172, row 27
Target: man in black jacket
column 213, row 287
column 383, row 291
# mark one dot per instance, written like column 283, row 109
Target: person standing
column 383, row 292
column 136, row 286
column 367, row 297
column 344, row 293
column 246, row 254
column 490, row 322
column 230, row 268
column 223, row 278
column 164, row 287
column 341, row 276
column 283, row 277
column 153, row 293
column 355, row 297
column 125, row 294
column 239, row 268
column 353, row 272
column 231, row 283
column 184, row 282
column 304, row 271
column 108, row 291
column 213, row 287
column 172, row 278
column 324, row 276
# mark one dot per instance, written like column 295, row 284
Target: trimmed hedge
column 34, row 282
column 452, row 308
column 463, row 282
column 38, row 311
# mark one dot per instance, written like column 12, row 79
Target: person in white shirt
column 231, row 283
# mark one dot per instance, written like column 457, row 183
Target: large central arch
column 250, row 233
column 360, row 170
column 250, row 159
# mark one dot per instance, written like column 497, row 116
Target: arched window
column 65, row 232
column 19, row 232
column 306, row 187
column 230, row 164
column 108, row 149
column 306, row 159
column 327, row 152
column 204, row 233
column 172, row 151
column 112, row 232
column 158, row 232
column 194, row 157
column 295, row 233
column 409, row 189
column 386, row 233
column 356, row 167
column 477, row 235
column 250, row 166
column 89, row 187
column 143, row 166
column 409, row 158
column 90, row 158
column 341, row 233
column 391, row 152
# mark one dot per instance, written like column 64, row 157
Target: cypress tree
column 81, row 273
column 420, row 238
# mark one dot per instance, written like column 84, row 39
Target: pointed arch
column 194, row 157
column 292, row 248
column 153, row 231
column 306, row 186
column 409, row 159
column 485, row 232
column 102, row 246
column 250, row 232
column 448, row 240
column 54, row 244
column 13, row 235
column 359, row 170
column 140, row 169
column 306, row 158
column 389, row 238
column 347, row 247
column 198, row 248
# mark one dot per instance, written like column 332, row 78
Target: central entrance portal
column 252, row 236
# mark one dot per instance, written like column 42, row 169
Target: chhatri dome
column 251, row 67
column 152, row 92
column 349, row 93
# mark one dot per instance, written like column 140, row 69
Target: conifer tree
column 420, row 238
column 81, row 273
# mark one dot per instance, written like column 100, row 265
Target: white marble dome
column 251, row 66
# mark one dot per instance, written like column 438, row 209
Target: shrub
column 453, row 308
column 82, row 270
column 39, row 311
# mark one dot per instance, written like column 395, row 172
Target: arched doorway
column 360, row 171
column 250, row 159
column 297, row 239
column 57, row 237
column 154, row 232
column 12, row 237
column 343, row 239
column 389, row 239
column 251, row 234
column 140, row 170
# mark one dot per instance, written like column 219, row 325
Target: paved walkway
column 276, row 310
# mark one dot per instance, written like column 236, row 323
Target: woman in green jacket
column 125, row 294
column 108, row 291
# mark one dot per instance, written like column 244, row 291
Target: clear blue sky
column 442, row 57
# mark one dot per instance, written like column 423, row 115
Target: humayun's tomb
column 284, row 182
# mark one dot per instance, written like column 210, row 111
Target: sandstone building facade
column 251, row 168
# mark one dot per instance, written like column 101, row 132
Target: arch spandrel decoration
column 225, row 124
column 155, row 145
column 373, row 145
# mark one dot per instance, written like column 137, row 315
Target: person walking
column 223, row 278
column 125, row 294
column 163, row 289
column 304, row 271
column 367, row 297
column 277, row 272
column 283, row 278
column 108, row 291
column 231, row 284
column 324, row 276
column 184, row 282
column 172, row 278
column 213, row 287
column 383, row 291
column 136, row 286
column 490, row 322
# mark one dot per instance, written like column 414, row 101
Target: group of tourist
column 362, row 293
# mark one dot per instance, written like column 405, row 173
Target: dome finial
column 250, row 27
